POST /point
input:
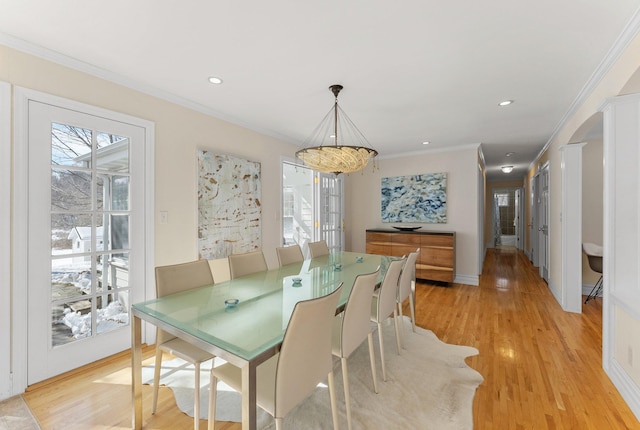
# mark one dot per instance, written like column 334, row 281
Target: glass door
column 312, row 207
column 85, row 256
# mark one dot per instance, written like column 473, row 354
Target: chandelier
column 325, row 150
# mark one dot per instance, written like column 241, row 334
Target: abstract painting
column 229, row 208
column 415, row 198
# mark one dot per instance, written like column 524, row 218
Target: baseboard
column 467, row 279
column 628, row 389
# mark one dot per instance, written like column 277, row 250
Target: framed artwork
column 415, row 198
column 229, row 208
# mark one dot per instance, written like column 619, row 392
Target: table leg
column 249, row 397
column 136, row 371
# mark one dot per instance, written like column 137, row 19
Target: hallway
column 542, row 366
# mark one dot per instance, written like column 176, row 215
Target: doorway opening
column 507, row 216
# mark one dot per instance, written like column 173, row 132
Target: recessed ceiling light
column 426, row 142
column 505, row 103
column 215, row 80
column 509, row 154
column 506, row 169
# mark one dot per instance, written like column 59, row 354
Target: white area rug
column 429, row 386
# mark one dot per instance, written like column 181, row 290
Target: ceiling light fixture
column 426, row 142
column 509, row 154
column 336, row 156
column 506, row 169
column 505, row 103
column 215, row 80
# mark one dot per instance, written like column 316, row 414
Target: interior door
column 533, row 231
column 519, row 219
column 85, row 237
column 543, row 227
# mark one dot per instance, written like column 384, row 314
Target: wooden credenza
column 437, row 250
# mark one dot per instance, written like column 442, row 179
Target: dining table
column 250, row 332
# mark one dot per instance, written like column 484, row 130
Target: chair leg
column 332, row 397
column 372, row 360
column 196, row 398
column 156, row 379
column 347, row 399
column 401, row 316
column 213, row 394
column 412, row 308
column 594, row 291
column 395, row 323
column 384, row 368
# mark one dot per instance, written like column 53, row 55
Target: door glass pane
column 113, row 271
column 112, row 311
column 70, row 145
column 119, row 232
column 70, row 190
column 71, row 234
column 112, row 153
column 66, row 285
column 120, row 193
column 70, row 321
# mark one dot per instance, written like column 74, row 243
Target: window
column 502, row 199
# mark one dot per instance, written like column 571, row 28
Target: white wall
column 363, row 202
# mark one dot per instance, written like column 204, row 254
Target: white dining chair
column 289, row 254
column 246, row 264
column 406, row 289
column 383, row 306
column 169, row 280
column 352, row 327
column 304, row 360
column 317, row 249
column 220, row 269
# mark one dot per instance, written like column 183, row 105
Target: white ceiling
column 413, row 70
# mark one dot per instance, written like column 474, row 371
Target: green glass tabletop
column 265, row 301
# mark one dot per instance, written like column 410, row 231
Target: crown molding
column 630, row 31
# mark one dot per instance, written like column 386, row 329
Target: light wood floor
column 542, row 366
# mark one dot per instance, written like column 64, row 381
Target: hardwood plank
column 542, row 367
